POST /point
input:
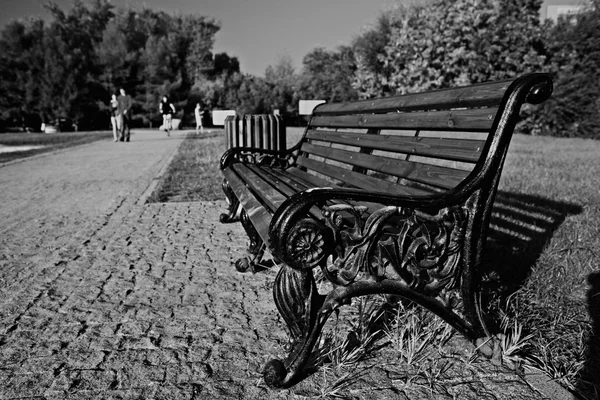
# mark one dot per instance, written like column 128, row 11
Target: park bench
column 389, row 196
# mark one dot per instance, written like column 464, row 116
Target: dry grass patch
column 194, row 173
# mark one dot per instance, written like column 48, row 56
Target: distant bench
column 391, row 195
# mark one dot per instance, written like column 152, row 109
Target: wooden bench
column 390, row 195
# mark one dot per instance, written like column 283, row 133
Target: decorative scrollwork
column 279, row 160
column 423, row 250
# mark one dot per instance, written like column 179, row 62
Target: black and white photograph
column 300, row 199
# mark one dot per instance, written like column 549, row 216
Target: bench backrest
column 418, row 144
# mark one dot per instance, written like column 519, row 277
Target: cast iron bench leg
column 305, row 313
column 256, row 247
column 360, row 248
column 234, row 205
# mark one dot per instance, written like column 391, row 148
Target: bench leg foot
column 305, row 312
column 256, row 248
column 234, row 205
column 242, row 264
column 491, row 348
column 254, row 264
column 274, row 373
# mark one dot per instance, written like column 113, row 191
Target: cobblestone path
column 105, row 298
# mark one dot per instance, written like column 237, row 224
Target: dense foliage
column 438, row 44
column 574, row 59
column 69, row 67
column 462, row 42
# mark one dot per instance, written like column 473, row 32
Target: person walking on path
column 198, row 113
column 167, row 110
column 114, row 120
column 124, row 118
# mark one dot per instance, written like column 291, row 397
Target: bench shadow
column 521, row 226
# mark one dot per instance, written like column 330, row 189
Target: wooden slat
column 261, row 217
column 311, row 180
column 434, row 175
column 293, row 180
column 360, row 180
column 277, row 178
column 366, row 150
column 481, row 95
column 465, row 150
column 258, row 214
column 285, row 186
column 315, row 181
column 301, row 185
column 475, row 120
column 307, row 180
column 269, row 195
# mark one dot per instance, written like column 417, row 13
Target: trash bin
column 263, row 131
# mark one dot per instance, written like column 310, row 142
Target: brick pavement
column 110, row 299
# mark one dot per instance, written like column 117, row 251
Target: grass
column 30, row 144
column 542, row 280
column 555, row 302
column 194, row 173
column 414, row 331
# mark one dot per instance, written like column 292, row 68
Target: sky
column 257, row 32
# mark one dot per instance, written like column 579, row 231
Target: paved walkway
column 105, row 298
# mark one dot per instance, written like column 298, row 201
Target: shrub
column 574, row 46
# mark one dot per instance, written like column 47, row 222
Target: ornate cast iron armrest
column 256, row 156
column 419, row 258
column 297, row 206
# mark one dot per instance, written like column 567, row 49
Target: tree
column 211, row 88
column 21, row 67
column 73, row 37
column 442, row 44
column 372, row 74
column 69, row 66
column 197, row 37
column 281, row 82
column 152, row 54
column 574, row 49
column 112, row 56
column 327, row 75
column 245, row 94
column 159, row 77
column 224, row 64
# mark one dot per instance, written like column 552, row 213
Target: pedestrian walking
column 199, row 113
column 167, row 110
column 114, row 120
column 124, row 116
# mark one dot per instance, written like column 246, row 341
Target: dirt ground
column 104, row 297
